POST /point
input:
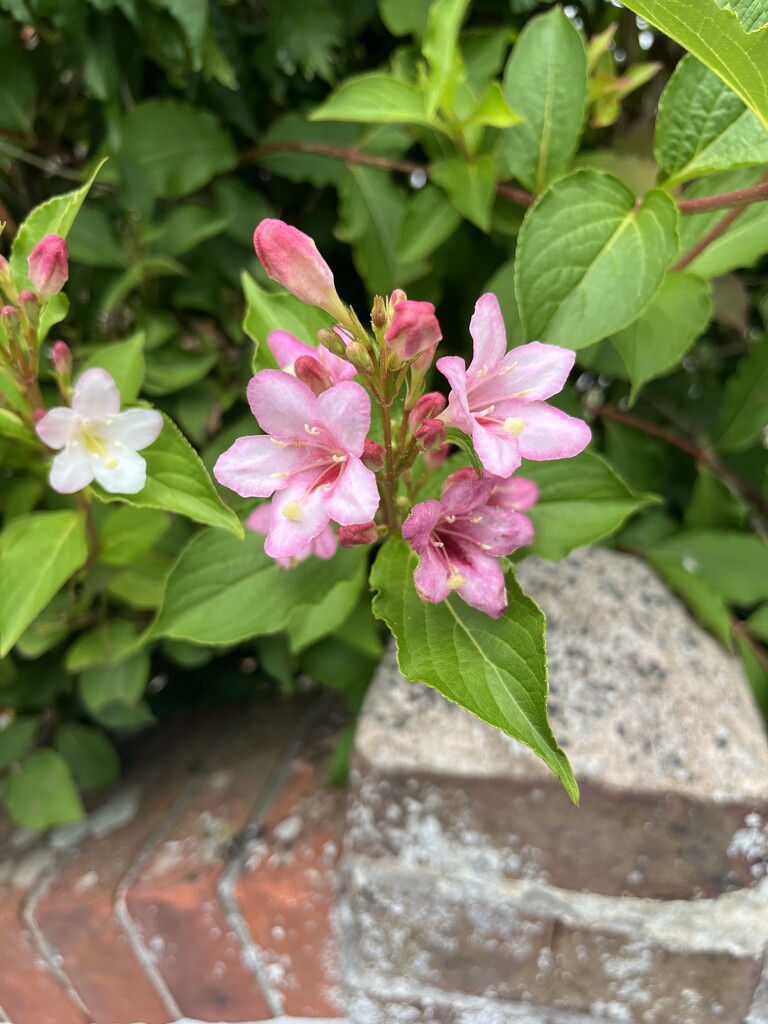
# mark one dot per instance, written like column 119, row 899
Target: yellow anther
column 294, row 512
column 456, row 580
column 514, row 425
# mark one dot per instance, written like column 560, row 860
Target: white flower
column 98, row 441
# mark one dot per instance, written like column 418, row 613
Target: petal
column 485, row 588
column 135, row 428
column 290, row 534
column 498, row 451
column 463, row 496
column 488, row 333
column 338, row 368
column 281, row 404
column 58, row 427
column 96, row 396
column 258, row 520
column 549, row 433
column 255, row 467
column 355, row 496
column 325, row 544
column 422, row 520
column 124, row 472
column 431, row 577
column 540, row 371
column 287, row 349
column 517, row 493
column 72, row 470
column 345, row 412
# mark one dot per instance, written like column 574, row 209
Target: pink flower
column 287, row 350
column 309, row 458
column 292, row 259
column 359, row 535
column 323, row 546
column 97, row 440
column 499, row 399
column 515, row 493
column 414, row 331
column 460, row 539
column 49, row 266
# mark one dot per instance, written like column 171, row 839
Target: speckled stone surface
column 659, row 725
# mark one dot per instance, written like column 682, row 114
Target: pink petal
column 58, row 427
column 499, row 452
column 431, row 577
column 345, row 412
column 290, row 534
column 355, row 496
column 135, row 428
column 454, row 369
column 255, row 467
column 287, row 349
column 325, row 545
column 540, row 371
column 281, row 404
column 124, row 472
column 420, row 523
column 96, row 396
column 71, row 470
column 516, row 493
column 338, row 368
column 485, row 588
column 549, row 433
column 488, row 333
column 258, row 520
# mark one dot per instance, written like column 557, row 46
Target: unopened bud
column 311, row 372
column 373, row 456
column 334, row 341
column 355, row 536
column 30, row 306
column 49, row 266
column 10, row 319
column 62, row 358
column 6, row 274
column 430, row 435
column 358, row 356
column 398, row 295
column 429, row 406
column 414, row 330
column 378, row 314
column 437, row 457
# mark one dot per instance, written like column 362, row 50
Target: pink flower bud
column 414, row 330
column 49, row 266
column 10, row 316
column 312, row 373
column 434, row 459
column 355, row 536
column 373, row 456
column 430, row 435
column 398, row 295
column 292, row 259
column 30, row 306
column 429, row 406
column 62, row 358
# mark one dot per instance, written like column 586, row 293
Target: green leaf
column 125, row 533
column 735, row 564
column 42, row 793
column 744, row 412
column 312, row 622
column 656, row 342
column 704, row 601
column 464, row 442
column 55, row 216
column 141, row 584
column 187, row 226
column 375, row 99
column 581, row 501
column 173, row 368
column 176, row 148
column 495, row 668
column 223, row 591
column 704, row 127
column 12, row 427
column 752, row 14
column 471, row 186
column 18, row 88
column 440, row 48
column 715, row 36
column 16, row 738
column 405, row 17
column 758, row 623
column 92, row 241
column 90, row 755
column 38, row 554
column 192, row 18
column 48, row 630
column 431, row 219
column 712, row 505
column 177, row 481
column 589, row 259
column 124, row 362
column 117, row 682
column 494, row 110
column 105, row 644
column 278, row 311
column 546, row 82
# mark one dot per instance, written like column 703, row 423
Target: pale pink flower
column 414, row 331
column 48, row 265
column 324, row 545
column 460, row 538
column 500, row 399
column 309, row 458
column 287, row 350
column 97, row 441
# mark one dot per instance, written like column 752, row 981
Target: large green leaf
column 38, row 554
column 735, row 564
column 717, row 38
column 375, row 99
column 752, row 14
column 703, row 126
column 581, row 501
column 744, row 412
column 546, row 81
column 312, row 622
column 16, row 738
column 470, row 185
column 42, row 793
column 495, row 668
column 120, row 682
column 590, row 259
column 223, row 591
column 177, row 481
column 90, row 755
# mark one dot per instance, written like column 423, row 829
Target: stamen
column 294, row 512
column 278, row 476
column 312, row 431
column 339, row 458
column 486, row 412
column 483, row 371
column 476, row 519
column 522, row 394
column 450, row 519
column 280, row 444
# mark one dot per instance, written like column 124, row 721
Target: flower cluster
column 316, row 462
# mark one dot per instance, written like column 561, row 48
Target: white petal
column 71, row 470
column 136, row 428
column 123, row 473
column 96, row 395
column 58, row 427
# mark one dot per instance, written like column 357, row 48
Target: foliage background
column 203, row 110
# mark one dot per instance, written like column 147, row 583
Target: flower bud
column 333, row 341
column 414, row 330
column 373, row 456
column 429, row 406
column 10, row 317
column 49, row 266
column 378, row 314
column 30, row 306
column 62, row 359
column 6, row 275
column 355, row 536
column 357, row 355
column 398, row 295
column 430, row 435
column 312, row 373
column 292, row 259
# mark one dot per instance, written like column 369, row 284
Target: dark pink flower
column 427, row 407
column 323, row 546
column 460, row 538
column 309, row 458
column 49, row 266
column 500, row 399
column 414, row 331
column 358, row 535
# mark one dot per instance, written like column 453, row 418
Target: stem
column 711, row 236
column 739, row 198
column 85, row 505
